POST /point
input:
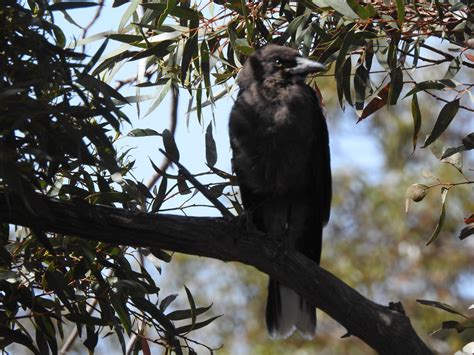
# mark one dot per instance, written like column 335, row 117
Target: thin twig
column 200, row 187
column 174, row 119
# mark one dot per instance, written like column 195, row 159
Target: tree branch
column 386, row 329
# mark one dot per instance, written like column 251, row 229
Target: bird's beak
column 305, row 66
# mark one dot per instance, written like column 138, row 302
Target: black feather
column 281, row 158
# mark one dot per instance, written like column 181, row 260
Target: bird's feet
column 244, row 223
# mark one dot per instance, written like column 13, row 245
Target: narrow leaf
column 160, row 97
column 192, row 305
column 416, row 113
column 211, row 151
column 396, row 85
column 71, row 5
column 400, row 12
column 187, row 328
column 444, row 306
column 167, row 301
column 160, row 196
column 377, row 103
column 186, row 313
column 346, row 80
column 444, row 193
column 444, row 119
column 360, row 86
column 467, row 231
column 170, row 145
column 143, row 132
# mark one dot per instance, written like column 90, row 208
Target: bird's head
column 279, row 63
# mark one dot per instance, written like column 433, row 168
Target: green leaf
column 346, row 80
column 343, row 7
column 159, row 50
column 124, row 38
column 91, row 82
column 170, row 145
column 341, row 57
column 121, row 309
column 445, row 117
column 454, row 160
column 444, row 193
column 190, row 49
column 400, row 12
column 86, row 319
column 167, row 301
column 396, row 85
column 118, row 3
column 55, row 282
column 108, row 198
column 454, row 67
column 361, row 11
column 187, row 328
column 296, row 23
column 192, row 305
column 211, row 151
column 159, row 98
column 186, row 313
column 376, row 103
column 452, row 150
column 467, row 231
column 182, row 186
column 46, row 327
column 178, row 11
column 416, row 113
column 59, row 34
column 146, row 306
column 223, row 77
column 69, row 5
column 444, row 306
column 426, row 85
column 467, row 144
column 132, row 8
column 205, row 68
column 170, row 5
column 160, row 196
column 96, row 57
column 217, row 190
column 16, row 336
column 143, row 132
column 360, row 86
column 160, row 254
column 7, row 274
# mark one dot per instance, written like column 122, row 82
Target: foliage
column 58, row 124
column 60, row 119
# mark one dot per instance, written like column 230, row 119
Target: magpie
column 280, row 155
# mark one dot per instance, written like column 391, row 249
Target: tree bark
column 386, row 329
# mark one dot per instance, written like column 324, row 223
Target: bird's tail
column 287, row 311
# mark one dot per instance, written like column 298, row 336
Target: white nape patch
column 290, row 312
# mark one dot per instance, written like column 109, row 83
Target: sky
column 350, row 146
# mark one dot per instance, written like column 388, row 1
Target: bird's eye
column 278, row 63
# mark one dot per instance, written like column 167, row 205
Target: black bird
column 280, row 146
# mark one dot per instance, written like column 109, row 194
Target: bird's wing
column 322, row 167
column 243, row 139
column 319, row 190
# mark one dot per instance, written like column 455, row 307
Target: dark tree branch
column 385, row 329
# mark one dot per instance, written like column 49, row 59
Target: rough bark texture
column 385, row 329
